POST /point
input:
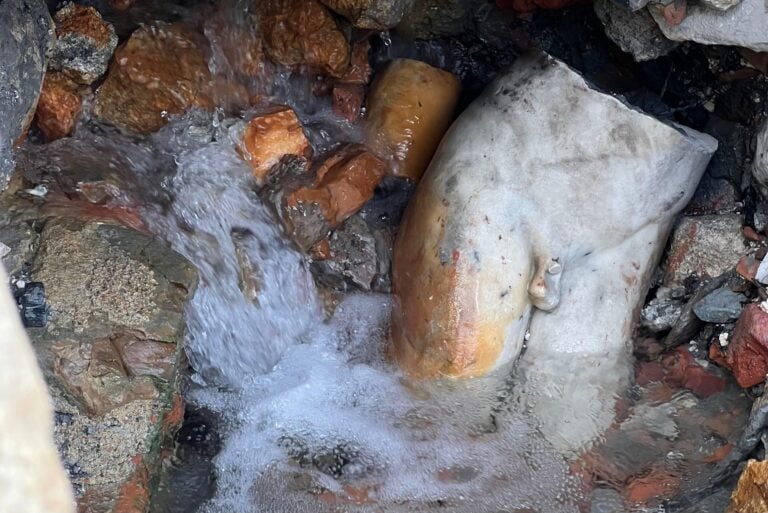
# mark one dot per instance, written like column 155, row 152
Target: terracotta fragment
column 269, row 137
column 409, row 108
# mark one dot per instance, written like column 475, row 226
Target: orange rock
column 322, row 250
column 653, row 486
column 161, row 70
column 751, row 494
column 269, row 137
column 85, row 43
column 58, row 107
column 747, row 353
column 747, row 267
column 78, row 19
column 342, row 185
column 303, row 32
column 134, row 494
column 348, row 101
column 410, row 106
column 359, row 71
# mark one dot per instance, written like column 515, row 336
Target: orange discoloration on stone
column 410, row 106
column 269, row 137
column 654, row 486
column 322, row 250
column 718, row 454
column 343, row 184
column 134, row 494
column 58, row 107
column 747, row 267
column 175, row 416
column 86, row 21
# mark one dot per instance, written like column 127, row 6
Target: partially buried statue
column 541, row 218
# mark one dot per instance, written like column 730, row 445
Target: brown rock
column 654, row 486
column 269, row 137
column 747, row 267
column 751, row 494
column 58, row 107
column 747, row 354
column 161, row 70
column 359, row 71
column 348, row 101
column 85, row 43
column 342, row 184
column 410, row 106
column 681, row 370
column 371, row 14
column 304, row 33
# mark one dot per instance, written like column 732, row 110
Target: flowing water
column 311, row 414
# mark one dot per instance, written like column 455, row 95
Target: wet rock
column 59, row 106
column 652, row 486
column 359, row 71
column 742, row 25
column 409, row 108
column 704, row 246
column 303, row 33
column 751, row 494
column 661, row 313
column 342, row 184
column 760, row 162
column 371, row 14
column 269, row 137
column 84, row 44
column 34, row 310
column 352, row 261
column 160, row 71
column 348, row 101
column 722, row 305
column 635, row 32
column 26, row 33
column 462, row 257
column 747, row 353
column 116, row 314
column 682, row 370
column 430, row 19
column 606, row 500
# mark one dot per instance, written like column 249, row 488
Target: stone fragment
column 653, row 486
column 682, row 370
column 343, row 183
column 751, row 493
column 742, row 25
column 304, row 33
column 34, row 311
column 269, row 137
column 760, row 162
column 359, row 71
column 353, row 257
column 704, row 246
column 160, row 71
column 483, row 257
column 431, row 19
column 84, row 43
column 722, row 305
column 747, row 353
column 348, row 101
column 748, row 266
column 26, row 34
column 660, row 314
column 371, row 14
column 409, row 108
column 59, row 106
column 635, row 32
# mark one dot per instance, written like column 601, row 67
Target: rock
column 635, row 32
column 660, row 314
column 59, row 106
column 84, row 43
column 713, row 196
column 34, row 311
column 742, row 25
column 722, row 5
column 682, row 370
column 33, row 479
column 722, row 305
column 359, row 71
column 606, row 500
column 409, row 108
column 353, row 257
column 751, row 493
column 747, row 353
column 654, row 485
column 431, row 19
column 481, row 254
column 269, row 137
column 312, row 206
column 26, row 34
column 371, row 14
column 160, row 71
column 760, row 162
column 348, row 101
column 303, row 33
column 704, row 246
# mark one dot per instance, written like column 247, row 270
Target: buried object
column 534, row 219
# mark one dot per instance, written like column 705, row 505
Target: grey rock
column 371, row 14
column 83, row 55
column 660, row 314
column 635, row 32
column 722, row 5
column 607, row 500
column 742, row 25
column 722, row 305
column 430, row 19
column 353, row 259
column 704, row 246
column 26, row 34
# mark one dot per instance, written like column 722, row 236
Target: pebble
column 722, row 305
